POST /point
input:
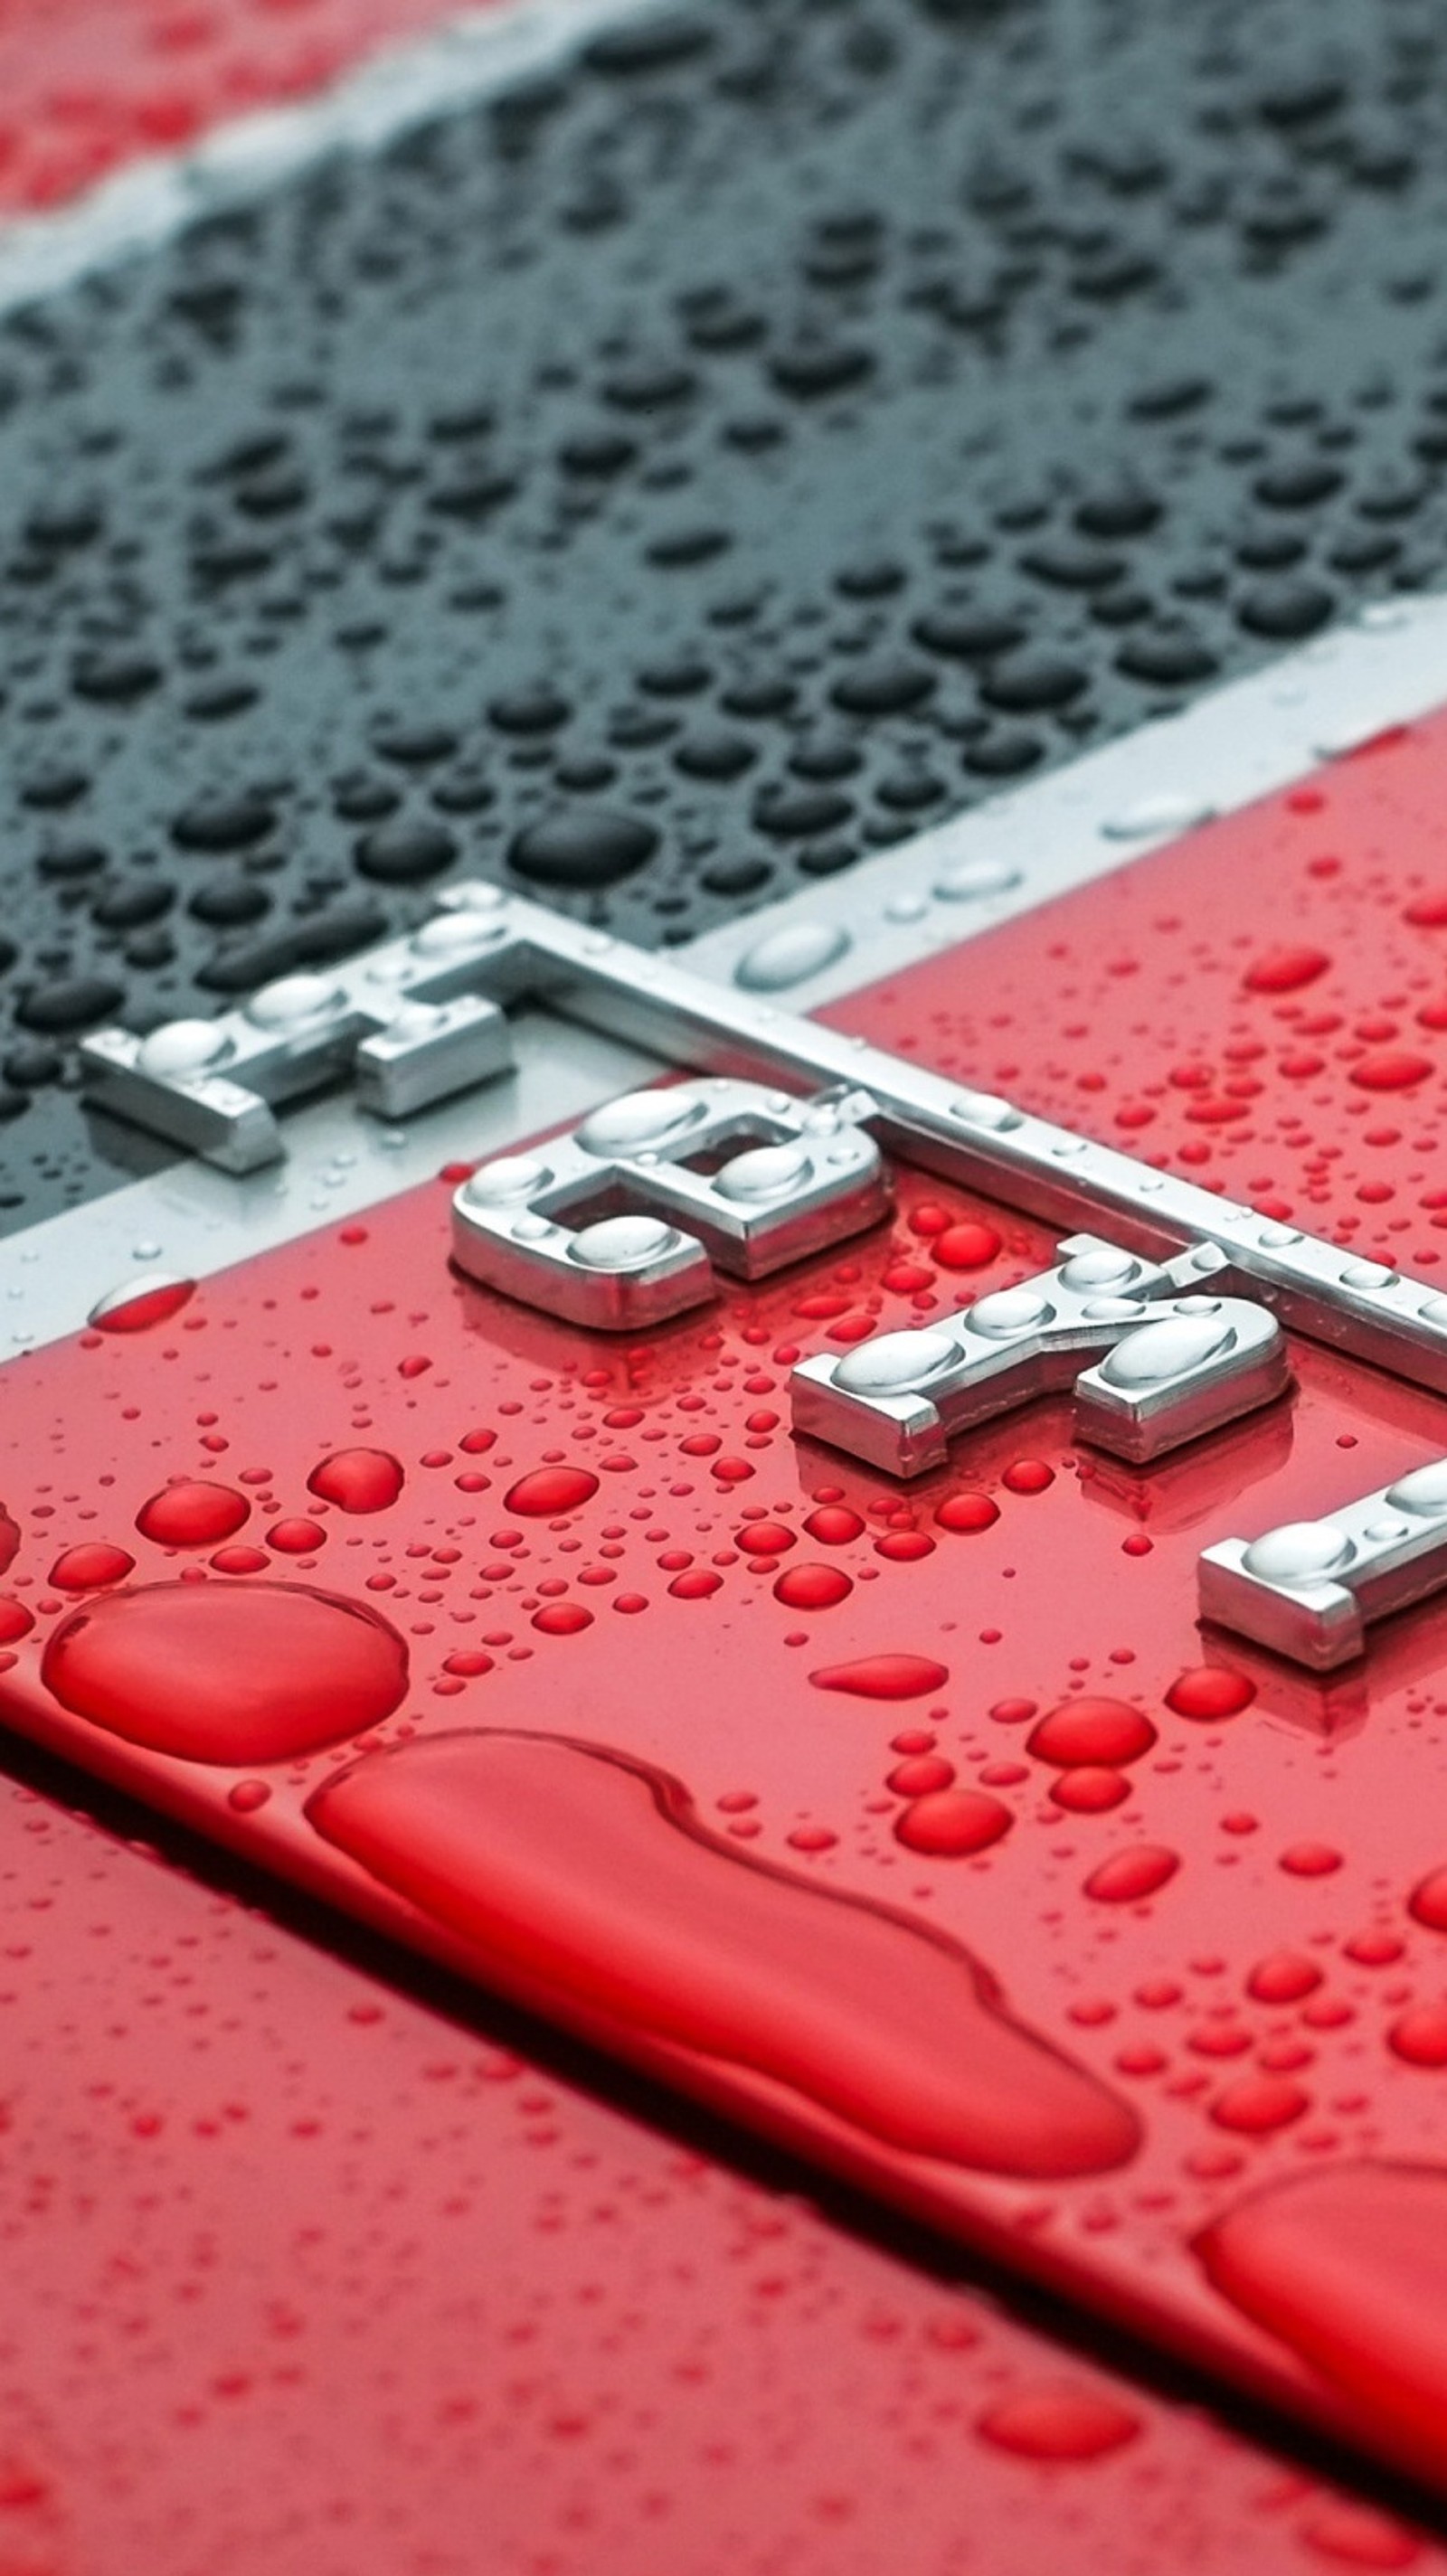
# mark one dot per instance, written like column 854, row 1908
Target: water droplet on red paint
column 1285, row 970
column 1091, row 1731
column 1210, row 1691
column 248, row 1795
column 88, row 1567
column 592, row 1879
column 812, row 1587
column 239, row 1560
column 696, row 1583
column 358, row 1480
column 1257, row 2104
column 132, row 1309
column 967, row 1512
column 192, row 1515
column 218, row 1673
column 1089, row 1791
column 1428, row 1901
column 883, row 1676
column 1419, row 2035
column 765, row 1538
column 1129, row 1876
column 1028, row 1476
column 1284, row 1978
column 295, row 1537
column 834, row 1525
column 548, row 1492
column 15, row 1621
column 1058, row 2423
column 1349, row 2268
column 9, row 1538
column 905, row 1546
column 562, row 1618
column 1390, row 1069
column 1310, row 1860
column 920, row 1775
column 1354, row 2535
column 965, row 1247
column 953, row 1823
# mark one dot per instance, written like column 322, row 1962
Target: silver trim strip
column 1064, row 830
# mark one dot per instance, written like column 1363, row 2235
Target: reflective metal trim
column 1065, row 829
column 516, row 948
column 1310, row 1588
column 1174, row 1364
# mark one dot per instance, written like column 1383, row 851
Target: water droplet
column 88, row 1567
column 1298, row 1552
column 833, row 1525
column 562, row 1618
column 1346, row 2267
column 295, row 1537
column 813, row 1587
column 623, row 1243
column 1058, row 2422
column 192, row 1515
column 966, row 1512
column 1103, row 1268
column 221, row 1673
column 1209, row 1691
column 1028, row 1476
column 593, row 1877
column 1419, row 2035
column 951, row 1824
column 1355, row 2535
column 547, row 1492
column 1258, row 2104
column 895, row 1363
column 1423, row 1491
column 965, row 1246
column 1165, row 1350
column 502, row 1184
column 972, row 880
column 1310, row 1860
column 767, row 1172
column 883, row 1676
column 1367, row 1274
column 1091, row 1731
column 1156, row 817
column 129, row 1309
column 1129, row 1876
column 180, row 1048
column 790, row 955
column 1284, row 1978
column 1089, row 1791
column 358, row 1480
column 1390, row 1069
column 292, row 1000
column 1008, row 1312
column 1285, row 970
column 1428, row 1901
column 640, row 1118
